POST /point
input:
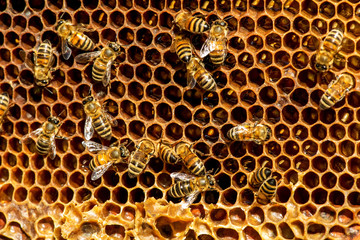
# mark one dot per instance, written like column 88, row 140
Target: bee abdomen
column 167, row 156
column 102, row 127
column 43, row 145
column 4, row 103
column 333, row 40
column 217, row 57
column 197, row 25
column 100, row 159
column 268, row 189
column 195, row 165
column 234, row 134
column 207, row 82
column 99, row 69
column 180, row 189
column 43, row 55
column 81, row 41
column 259, row 177
column 137, row 164
column 184, row 51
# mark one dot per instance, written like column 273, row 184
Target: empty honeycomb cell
column 257, row 76
column 354, row 199
column 300, row 60
column 265, row 22
column 318, row 131
column 127, row 71
column 291, row 148
column 310, row 42
column 119, row 195
column 327, row 214
column 135, row 54
column 29, row 178
column 272, row 115
column 59, row 178
column 219, row 216
column 102, row 194
column 268, row 95
column 320, row 164
column 35, row 24
column 328, row 148
column 6, row 193
column 347, row 148
column 115, row 231
column 251, row 233
column 43, row 177
column 268, row 231
column 136, row 129
column 153, row 56
column 155, row 192
column 35, row 195
column 155, row 131
column 309, row 115
column 256, row 216
column 4, row 173
column 219, row 116
column 51, row 195
column 11, row 41
column 328, row 180
column 193, row 132
column 147, row 179
column 20, row 194
column 308, row 210
column 246, row 197
column 66, row 195
column 308, row 77
column 229, row 96
column 248, row 96
column 338, row 232
column 346, row 181
column 137, row 195
column 311, row 180
column 144, row 36
column 146, row 110
column 5, row 21
column 290, row 114
column 354, row 62
column 256, row 113
column 69, row 162
column 136, row 90
column 12, row 72
column 76, row 180
column 211, row 197
column 28, row 41
column 75, row 110
column 48, row 17
column 126, row 36
column 345, row 216
column 128, row 108
column 319, row 196
column 301, row 195
column 282, row 58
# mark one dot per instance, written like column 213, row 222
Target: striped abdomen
column 81, row 41
column 332, row 42
column 267, row 190
column 326, row 101
column 194, row 164
column 183, row 50
column 4, row 104
column 43, row 55
column 100, row 159
column 218, row 55
column 99, row 69
column 181, row 189
column 205, row 80
column 43, row 144
column 241, row 133
column 167, row 155
column 196, row 25
column 102, row 127
column 137, row 163
column 259, row 177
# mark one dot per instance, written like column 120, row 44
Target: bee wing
column 111, row 119
column 65, row 49
column 100, row 170
column 93, row 146
column 81, row 27
column 52, row 152
column 206, row 48
column 31, row 135
column 189, row 199
column 178, row 176
column 88, row 130
column 87, row 57
column 27, row 60
column 107, row 76
column 191, row 82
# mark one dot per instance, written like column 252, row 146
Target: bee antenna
column 62, row 15
column 61, row 112
column 48, row 90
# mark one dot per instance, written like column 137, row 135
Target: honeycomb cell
column 51, row 195
column 20, row 194
column 251, row 233
column 309, row 115
column 353, row 199
column 29, row 178
column 35, row 195
column 66, row 195
column 328, row 180
column 268, row 231
column 290, row 114
column 272, row 115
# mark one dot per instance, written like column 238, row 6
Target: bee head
column 211, row 180
column 59, row 23
column 54, row 120
column 114, row 46
column 87, row 100
column 321, row 67
column 124, row 152
column 268, row 133
column 42, row 83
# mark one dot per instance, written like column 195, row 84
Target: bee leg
column 61, row 137
column 115, row 144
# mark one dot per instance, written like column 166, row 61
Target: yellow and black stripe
column 43, row 54
column 326, row 102
column 267, row 190
column 333, row 40
column 259, row 177
column 99, row 69
column 43, row 144
column 205, row 80
column 181, row 189
column 137, row 164
column 196, row 25
column 100, row 159
column 217, row 57
column 194, row 164
column 81, row 41
column 102, row 127
column 183, row 50
column 4, row 103
column 167, row 155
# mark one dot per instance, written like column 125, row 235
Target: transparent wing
column 27, row 60
column 206, row 48
column 81, row 27
column 191, row 82
column 93, row 146
column 65, row 49
column 87, row 57
column 189, row 199
column 88, row 130
column 107, row 76
column 100, row 170
column 178, row 176
column 32, row 134
column 112, row 120
column 52, row 152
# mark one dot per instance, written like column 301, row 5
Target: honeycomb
column 267, row 76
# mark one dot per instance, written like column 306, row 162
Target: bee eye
column 49, row 119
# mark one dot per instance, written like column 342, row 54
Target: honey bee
column 186, row 21
column 328, row 48
column 101, row 69
column 74, row 36
column 257, row 178
column 4, row 105
column 182, row 47
column 215, row 44
column 42, row 65
column 190, row 159
column 190, row 186
column 140, row 157
column 196, row 72
column 256, row 132
column 46, row 134
column 96, row 118
column 267, row 191
column 106, row 157
column 167, row 154
column 337, row 90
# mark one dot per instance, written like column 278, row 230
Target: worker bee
column 43, row 60
column 186, row 21
column 190, row 186
column 337, row 90
column 190, row 159
column 74, row 36
column 256, row 132
column 96, row 118
column 198, row 73
column 257, row 178
column 167, row 153
column 215, row 44
column 328, row 48
column 140, row 157
column 182, row 47
column 4, row 105
column 46, row 134
column 267, row 191
column 101, row 69
column 106, row 157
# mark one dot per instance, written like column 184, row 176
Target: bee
column 4, row 105
column 182, row 47
column 190, row 159
column 96, row 118
column 140, row 157
column 257, row 178
column 196, row 72
column 101, row 69
column 256, row 132
column 105, row 157
column 215, row 44
column 190, row 186
column 46, row 134
column 328, row 48
column 74, row 36
column 337, row 90
column 188, row 22
column 167, row 154
column 267, row 191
